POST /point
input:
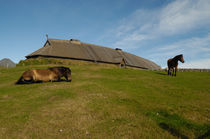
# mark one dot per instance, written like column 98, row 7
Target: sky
column 153, row 29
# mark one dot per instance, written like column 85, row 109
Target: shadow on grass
column 172, row 131
column 207, row 134
column 161, row 73
column 175, row 125
column 32, row 82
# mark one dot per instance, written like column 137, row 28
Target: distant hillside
column 7, row 63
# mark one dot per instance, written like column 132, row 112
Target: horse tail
column 20, row 81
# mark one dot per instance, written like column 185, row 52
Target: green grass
column 104, row 101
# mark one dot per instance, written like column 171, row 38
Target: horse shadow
column 161, row 73
column 172, row 131
column 39, row 82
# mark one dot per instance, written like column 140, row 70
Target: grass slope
column 106, row 102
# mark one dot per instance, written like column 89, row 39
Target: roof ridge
column 56, row 40
column 84, row 43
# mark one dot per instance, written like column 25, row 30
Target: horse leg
column 172, row 71
column 59, row 79
column 66, row 77
column 168, row 71
column 175, row 70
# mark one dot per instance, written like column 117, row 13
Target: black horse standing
column 173, row 64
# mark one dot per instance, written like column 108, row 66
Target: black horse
column 45, row 75
column 173, row 64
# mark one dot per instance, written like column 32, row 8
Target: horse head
column 181, row 58
column 67, row 73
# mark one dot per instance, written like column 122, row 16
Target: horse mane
column 60, row 69
column 57, row 67
column 178, row 57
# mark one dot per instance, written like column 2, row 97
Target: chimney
column 118, row 49
column 74, row 41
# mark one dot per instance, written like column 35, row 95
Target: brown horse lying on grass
column 173, row 64
column 45, row 75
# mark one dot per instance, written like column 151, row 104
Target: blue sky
column 153, row 29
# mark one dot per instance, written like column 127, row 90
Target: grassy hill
column 106, row 102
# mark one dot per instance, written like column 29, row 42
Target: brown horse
column 45, row 75
column 173, row 64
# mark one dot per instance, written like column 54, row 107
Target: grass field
column 106, row 102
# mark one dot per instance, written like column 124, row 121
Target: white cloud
column 192, row 45
column 131, row 41
column 178, row 17
column 197, row 64
column 183, row 15
column 133, row 29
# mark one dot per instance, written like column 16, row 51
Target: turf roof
column 74, row 49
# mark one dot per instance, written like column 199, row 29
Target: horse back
column 56, row 70
column 172, row 63
column 60, row 70
column 44, row 75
